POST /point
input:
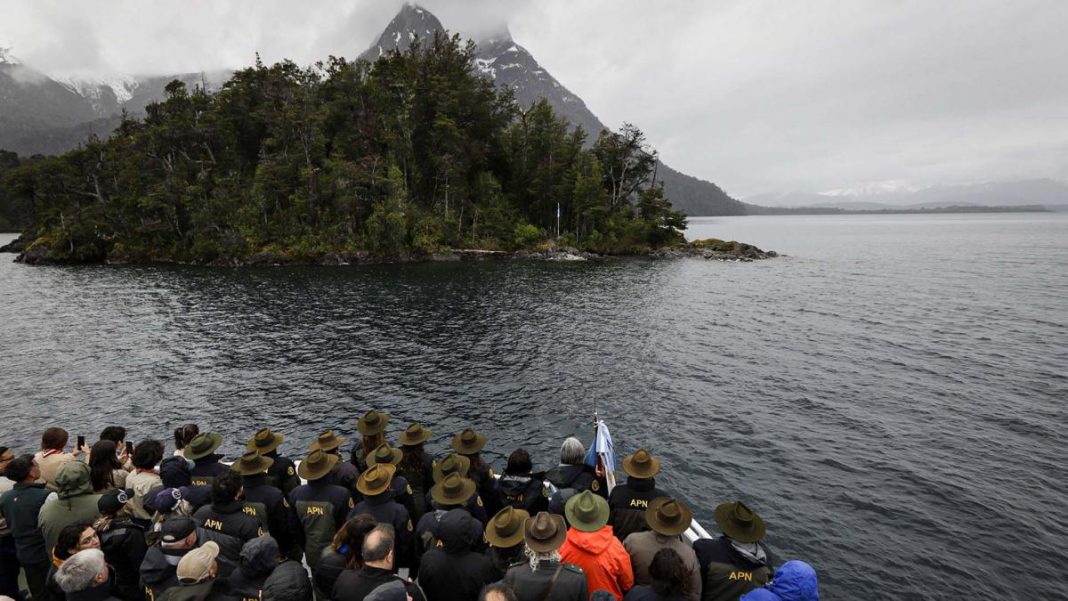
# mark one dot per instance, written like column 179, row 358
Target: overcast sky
column 755, row 95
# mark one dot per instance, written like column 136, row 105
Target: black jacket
column 330, row 566
column 420, row 481
column 321, row 509
column 455, row 572
column 628, row 503
column 531, row 585
column 354, row 585
column 504, row 559
column 281, row 518
column 123, row 544
column 158, row 570
column 522, row 492
column 210, row 590
column 645, row 592
column 20, row 507
column 229, row 525
column 387, row 511
column 570, row 480
column 206, row 469
column 288, row 582
column 258, row 559
column 283, row 473
column 344, row 475
column 727, row 574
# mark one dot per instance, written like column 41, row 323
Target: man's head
column 82, row 571
column 115, row 434
column 519, row 463
column 54, row 438
column 226, row 487
column 572, row 452
column 377, row 550
column 199, row 564
column 76, row 537
column 22, row 469
column 498, row 591
column 178, row 533
column 148, row 454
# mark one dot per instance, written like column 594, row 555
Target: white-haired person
column 572, row 476
column 84, row 577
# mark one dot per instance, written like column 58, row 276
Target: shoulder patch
column 478, row 500
column 291, row 471
column 491, row 472
column 545, row 492
column 410, row 526
column 596, row 486
column 408, row 489
column 285, row 503
column 352, row 505
column 259, row 532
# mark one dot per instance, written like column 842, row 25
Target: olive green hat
column 327, row 441
column 202, row 445
column 376, row 479
column 317, row 464
column 544, row 532
column 468, row 442
column 668, row 516
column 453, row 490
column 739, row 522
column 641, row 464
column 265, row 441
column 453, row 464
column 373, row 422
column 587, row 511
column 506, row 528
column 414, row 434
column 251, row 463
column 384, row 453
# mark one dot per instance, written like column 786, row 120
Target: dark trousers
column 36, row 575
column 9, row 568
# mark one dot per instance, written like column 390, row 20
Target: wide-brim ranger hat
column 453, row 490
column 641, row 464
column 373, row 422
column 507, row 527
column 739, row 522
column 453, row 464
column 468, row 442
column 544, row 532
column 384, row 453
column 317, row 464
column 326, row 441
column 202, row 445
column 252, row 463
column 587, row 511
column 265, row 441
column 667, row 516
column 414, row 434
column 376, row 479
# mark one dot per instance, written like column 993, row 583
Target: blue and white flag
column 602, row 449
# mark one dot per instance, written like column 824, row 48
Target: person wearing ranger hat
column 201, row 450
column 321, row 506
column 372, row 428
column 504, row 533
column 668, row 519
column 591, row 545
column 738, row 561
column 416, row 466
column 469, row 444
column 461, row 466
column 342, row 474
column 545, row 578
column 399, row 488
column 629, row 501
column 374, row 485
column 270, row 505
column 283, row 472
column 452, row 492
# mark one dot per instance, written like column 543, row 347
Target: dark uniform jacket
column 387, row 511
column 258, row 560
column 420, row 481
column 269, row 502
column 531, row 585
column 522, row 492
column 158, row 570
column 123, row 544
column 283, row 473
column 230, row 525
column 484, row 482
column 474, row 506
column 20, row 506
column 454, row 572
column 344, row 475
column 103, row 592
column 645, row 592
column 570, row 480
column 198, row 496
column 206, row 469
column 288, row 582
column 321, row 509
column 210, row 590
column 727, row 574
column 354, row 585
column 428, row 532
column 330, row 566
column 628, row 503
column 399, row 490
column 503, row 559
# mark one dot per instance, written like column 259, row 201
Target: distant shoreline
column 761, row 210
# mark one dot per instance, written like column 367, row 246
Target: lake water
column 890, row 397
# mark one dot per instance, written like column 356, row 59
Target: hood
column 513, row 485
column 455, row 531
column 160, row 565
column 259, row 556
column 391, row 591
column 73, row 480
column 288, row 582
column 795, row 581
column 174, row 472
column 593, row 543
column 569, row 474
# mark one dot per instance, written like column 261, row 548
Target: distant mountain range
column 1048, row 193
column 44, row 115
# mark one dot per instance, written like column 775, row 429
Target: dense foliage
column 411, row 154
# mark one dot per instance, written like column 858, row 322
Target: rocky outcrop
column 714, row 250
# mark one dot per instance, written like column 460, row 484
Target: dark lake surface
column 890, row 397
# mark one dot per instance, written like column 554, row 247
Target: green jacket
column 76, row 502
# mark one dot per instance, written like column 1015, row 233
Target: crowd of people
column 362, row 522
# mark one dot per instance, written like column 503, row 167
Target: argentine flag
column 602, row 449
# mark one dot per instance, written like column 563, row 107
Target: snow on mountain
column 6, row 58
column 410, row 23
column 107, row 95
column 892, row 186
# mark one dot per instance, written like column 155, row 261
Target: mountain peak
column 6, row 58
column 410, row 23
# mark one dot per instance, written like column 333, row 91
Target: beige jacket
column 141, row 483
column 642, row 546
column 50, row 465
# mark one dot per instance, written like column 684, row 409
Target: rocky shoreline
column 711, row 250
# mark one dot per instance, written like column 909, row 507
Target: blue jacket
column 794, row 581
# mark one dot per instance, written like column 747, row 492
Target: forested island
column 409, row 157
